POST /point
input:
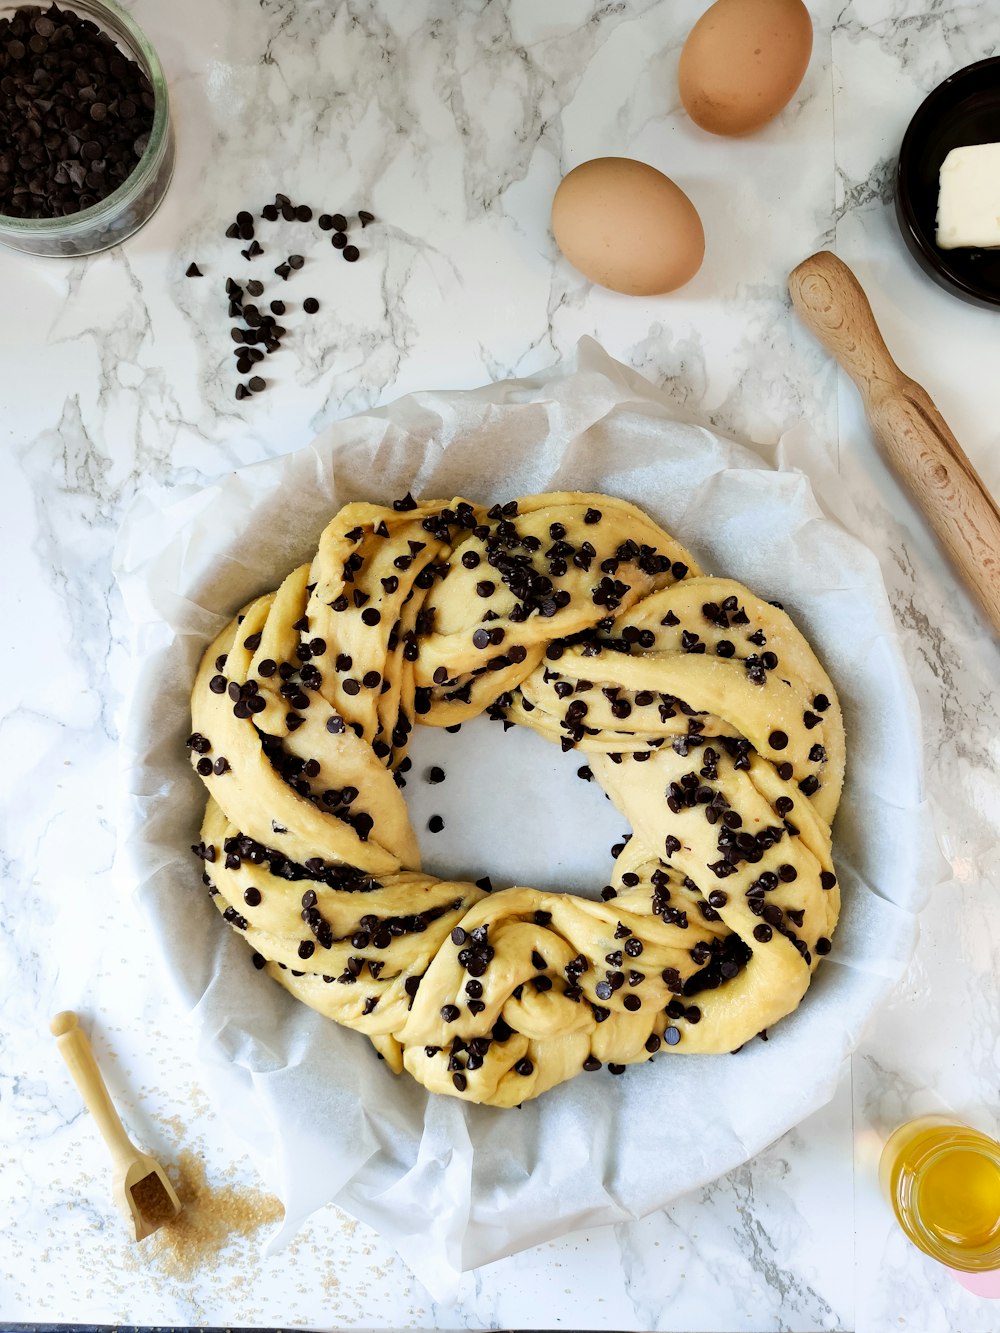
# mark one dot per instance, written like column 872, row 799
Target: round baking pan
column 965, row 109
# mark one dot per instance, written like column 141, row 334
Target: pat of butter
column 969, row 198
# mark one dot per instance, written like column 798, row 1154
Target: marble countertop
column 453, row 123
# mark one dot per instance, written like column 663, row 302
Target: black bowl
column 965, row 109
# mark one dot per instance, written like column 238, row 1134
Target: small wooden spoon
column 140, row 1187
column 913, row 435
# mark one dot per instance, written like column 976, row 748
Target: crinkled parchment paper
column 452, row 1186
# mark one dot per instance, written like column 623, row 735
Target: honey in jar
column 943, row 1182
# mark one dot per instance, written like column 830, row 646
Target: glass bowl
column 134, row 202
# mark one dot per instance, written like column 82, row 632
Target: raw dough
column 702, row 711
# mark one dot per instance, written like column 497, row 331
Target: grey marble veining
column 453, row 123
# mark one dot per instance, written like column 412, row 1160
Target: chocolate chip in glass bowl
column 83, row 116
column 59, row 75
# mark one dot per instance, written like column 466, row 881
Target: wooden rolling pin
column 911, row 432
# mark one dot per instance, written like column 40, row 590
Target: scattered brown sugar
column 152, row 1200
column 210, row 1222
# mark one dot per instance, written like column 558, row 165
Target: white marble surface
column 453, row 123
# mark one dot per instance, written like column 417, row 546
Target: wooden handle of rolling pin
column 911, row 432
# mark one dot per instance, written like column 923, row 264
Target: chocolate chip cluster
column 702, row 711
column 75, row 113
column 256, row 332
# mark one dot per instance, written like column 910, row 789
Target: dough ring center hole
column 513, row 808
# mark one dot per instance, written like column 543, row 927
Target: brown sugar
column 152, row 1200
column 211, row 1221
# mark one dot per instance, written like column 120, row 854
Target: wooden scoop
column 140, row 1186
column 911, row 432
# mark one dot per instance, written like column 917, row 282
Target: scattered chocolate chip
column 350, row 253
column 310, row 305
column 193, row 271
column 435, row 824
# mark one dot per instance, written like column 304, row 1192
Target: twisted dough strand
column 704, row 715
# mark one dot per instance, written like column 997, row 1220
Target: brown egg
column 742, row 63
column 626, row 226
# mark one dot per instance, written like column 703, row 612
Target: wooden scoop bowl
column 911, row 432
column 140, row 1186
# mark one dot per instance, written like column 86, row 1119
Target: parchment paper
column 453, row 1186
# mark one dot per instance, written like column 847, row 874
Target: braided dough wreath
column 703, row 712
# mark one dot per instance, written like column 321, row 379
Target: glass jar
column 942, row 1181
column 134, row 202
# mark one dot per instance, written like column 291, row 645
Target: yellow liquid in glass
column 958, row 1197
column 943, row 1182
